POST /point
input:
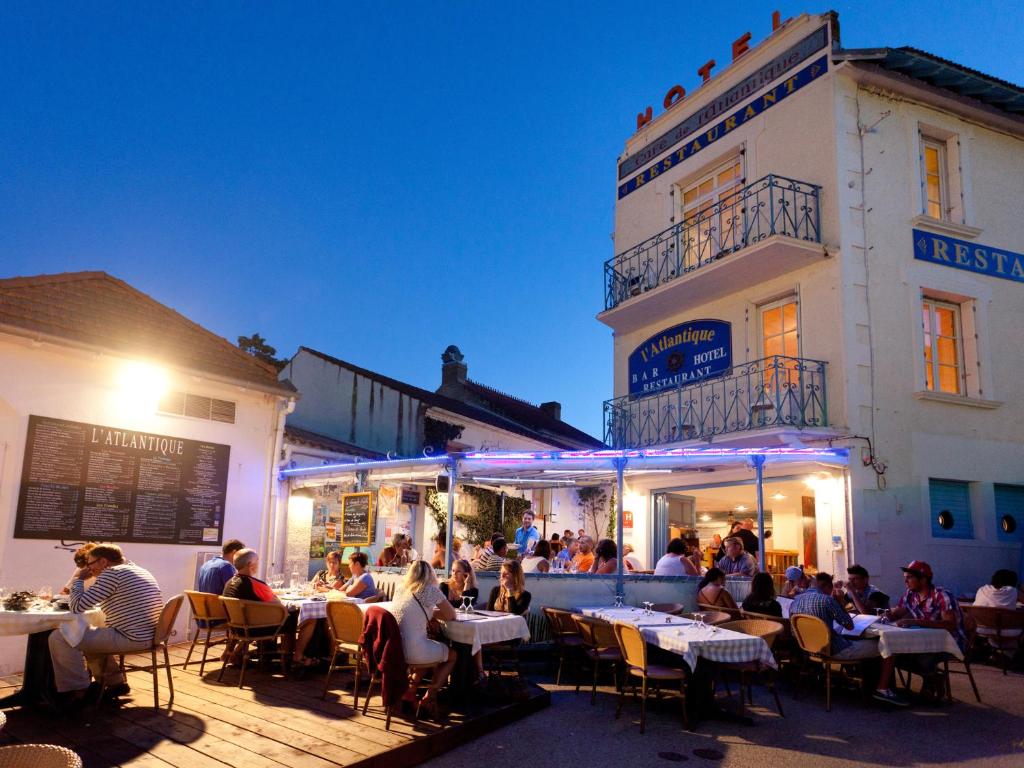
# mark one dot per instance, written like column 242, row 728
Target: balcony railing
column 770, row 206
column 773, row 392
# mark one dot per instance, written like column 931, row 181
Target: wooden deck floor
column 271, row 722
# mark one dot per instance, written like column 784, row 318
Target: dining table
column 37, row 622
column 478, row 628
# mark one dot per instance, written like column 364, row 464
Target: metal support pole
column 620, row 467
column 758, row 464
column 453, row 476
column 502, row 499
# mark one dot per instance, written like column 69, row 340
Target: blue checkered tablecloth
column 683, row 637
column 310, row 609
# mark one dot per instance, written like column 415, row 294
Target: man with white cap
column 796, row 581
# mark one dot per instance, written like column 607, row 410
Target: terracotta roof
column 316, row 440
column 545, row 430
column 97, row 310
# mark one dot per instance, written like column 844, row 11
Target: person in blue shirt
column 218, row 571
column 527, row 536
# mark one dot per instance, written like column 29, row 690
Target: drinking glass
column 45, row 592
column 465, row 604
column 469, row 608
column 698, row 617
column 883, row 615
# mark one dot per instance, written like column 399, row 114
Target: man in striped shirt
column 131, row 601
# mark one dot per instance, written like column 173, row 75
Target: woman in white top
column 540, row 560
column 413, row 607
column 632, row 561
column 1003, row 592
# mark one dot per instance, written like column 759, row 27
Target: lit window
column 936, row 186
column 711, row 231
column 943, row 353
column 780, row 338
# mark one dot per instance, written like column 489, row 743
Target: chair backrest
column 730, row 612
column 38, row 756
column 782, row 622
column 168, row 616
column 205, row 606
column 712, row 616
column 562, row 622
column 998, row 619
column 253, row 614
column 596, row 633
column 766, row 630
column 673, row 608
column 811, row 633
column 632, row 645
column 345, row 621
column 378, row 598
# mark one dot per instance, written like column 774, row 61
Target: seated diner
column 461, row 584
column 329, row 577
column 361, row 582
column 762, row 596
column 711, row 591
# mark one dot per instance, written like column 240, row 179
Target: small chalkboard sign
column 357, row 519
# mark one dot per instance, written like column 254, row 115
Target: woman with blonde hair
column 510, row 596
column 462, row 583
column 413, row 607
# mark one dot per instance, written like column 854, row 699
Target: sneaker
column 121, row 689
column 890, row 697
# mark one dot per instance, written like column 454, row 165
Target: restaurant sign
column 971, row 257
column 692, row 351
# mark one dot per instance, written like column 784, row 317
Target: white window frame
column 933, row 303
column 952, row 196
column 943, row 165
column 789, row 298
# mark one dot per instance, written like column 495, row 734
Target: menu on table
column 90, row 482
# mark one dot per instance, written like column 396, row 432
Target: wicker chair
column 600, row 645
column 253, row 621
column 815, row 640
column 209, row 615
column 732, row 613
column 38, row 756
column 676, row 609
column 712, row 617
column 784, row 647
column 161, row 634
column 345, row 624
column 634, row 653
column 565, row 634
column 748, row 670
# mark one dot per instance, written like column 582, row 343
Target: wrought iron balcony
column 770, row 206
column 773, row 392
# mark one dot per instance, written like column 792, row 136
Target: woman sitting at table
column 539, row 561
column 762, row 596
column 711, row 591
column 330, row 577
column 413, row 608
column 606, row 557
column 510, row 596
column 361, row 584
column 81, row 558
column 462, row 583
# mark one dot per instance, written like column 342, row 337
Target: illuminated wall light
column 740, row 508
column 705, row 518
column 140, row 387
column 778, row 496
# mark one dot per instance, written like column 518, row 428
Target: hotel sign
column 699, row 349
column 968, row 256
column 724, row 127
column 773, row 70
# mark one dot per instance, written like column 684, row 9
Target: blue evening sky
column 375, row 180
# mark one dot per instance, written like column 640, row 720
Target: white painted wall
column 58, row 382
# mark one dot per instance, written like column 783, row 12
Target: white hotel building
column 846, row 226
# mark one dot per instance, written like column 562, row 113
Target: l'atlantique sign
column 689, row 352
column 971, row 257
column 723, row 128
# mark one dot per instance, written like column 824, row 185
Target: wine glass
column 469, row 607
column 698, row 617
column 45, row 593
column 883, row 615
column 465, row 604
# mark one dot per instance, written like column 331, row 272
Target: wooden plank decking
column 270, row 723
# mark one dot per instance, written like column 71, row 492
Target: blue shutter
column 954, row 497
column 1010, row 501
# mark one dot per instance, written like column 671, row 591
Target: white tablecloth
column 893, row 640
column 479, row 631
column 71, row 625
column 681, row 636
column 310, row 609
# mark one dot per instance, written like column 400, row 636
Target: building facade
column 821, row 246
column 123, row 421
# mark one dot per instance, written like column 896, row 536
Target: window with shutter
column 1010, row 512
column 950, row 502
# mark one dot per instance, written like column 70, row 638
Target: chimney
column 453, row 371
column 552, row 409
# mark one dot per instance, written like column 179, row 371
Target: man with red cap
column 926, row 605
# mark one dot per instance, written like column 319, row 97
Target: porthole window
column 946, row 521
column 1008, row 523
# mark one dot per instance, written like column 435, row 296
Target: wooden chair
column 634, row 653
column 993, row 624
column 210, row 616
column 784, row 646
column 749, row 670
column 600, row 645
column 712, row 617
column 565, row 634
column 676, row 609
column 161, row 633
column 253, row 621
column 815, row 640
column 345, row 625
column 38, row 756
column 971, row 630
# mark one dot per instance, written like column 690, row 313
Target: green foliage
column 592, row 500
column 437, row 508
column 610, row 531
column 487, row 520
column 257, row 346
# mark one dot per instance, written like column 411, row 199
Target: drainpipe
column 271, row 512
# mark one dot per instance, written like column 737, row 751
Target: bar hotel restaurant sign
column 782, row 64
column 971, row 257
column 685, row 353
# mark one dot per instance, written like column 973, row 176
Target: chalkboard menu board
column 356, row 519
column 94, row 483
